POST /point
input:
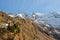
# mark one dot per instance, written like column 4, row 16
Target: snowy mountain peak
column 37, row 14
column 22, row 15
column 56, row 14
column 11, row 15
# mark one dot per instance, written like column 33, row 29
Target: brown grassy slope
column 28, row 31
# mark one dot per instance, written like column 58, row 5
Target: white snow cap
column 21, row 15
column 11, row 15
column 47, row 25
column 39, row 14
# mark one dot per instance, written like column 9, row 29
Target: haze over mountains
column 52, row 18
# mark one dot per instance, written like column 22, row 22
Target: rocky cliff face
column 21, row 29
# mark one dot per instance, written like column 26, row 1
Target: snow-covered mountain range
column 51, row 18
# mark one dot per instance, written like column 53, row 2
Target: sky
column 29, row 6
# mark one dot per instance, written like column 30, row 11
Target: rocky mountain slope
column 17, row 28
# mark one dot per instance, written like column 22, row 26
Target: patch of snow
column 11, row 15
column 21, row 15
column 6, row 24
